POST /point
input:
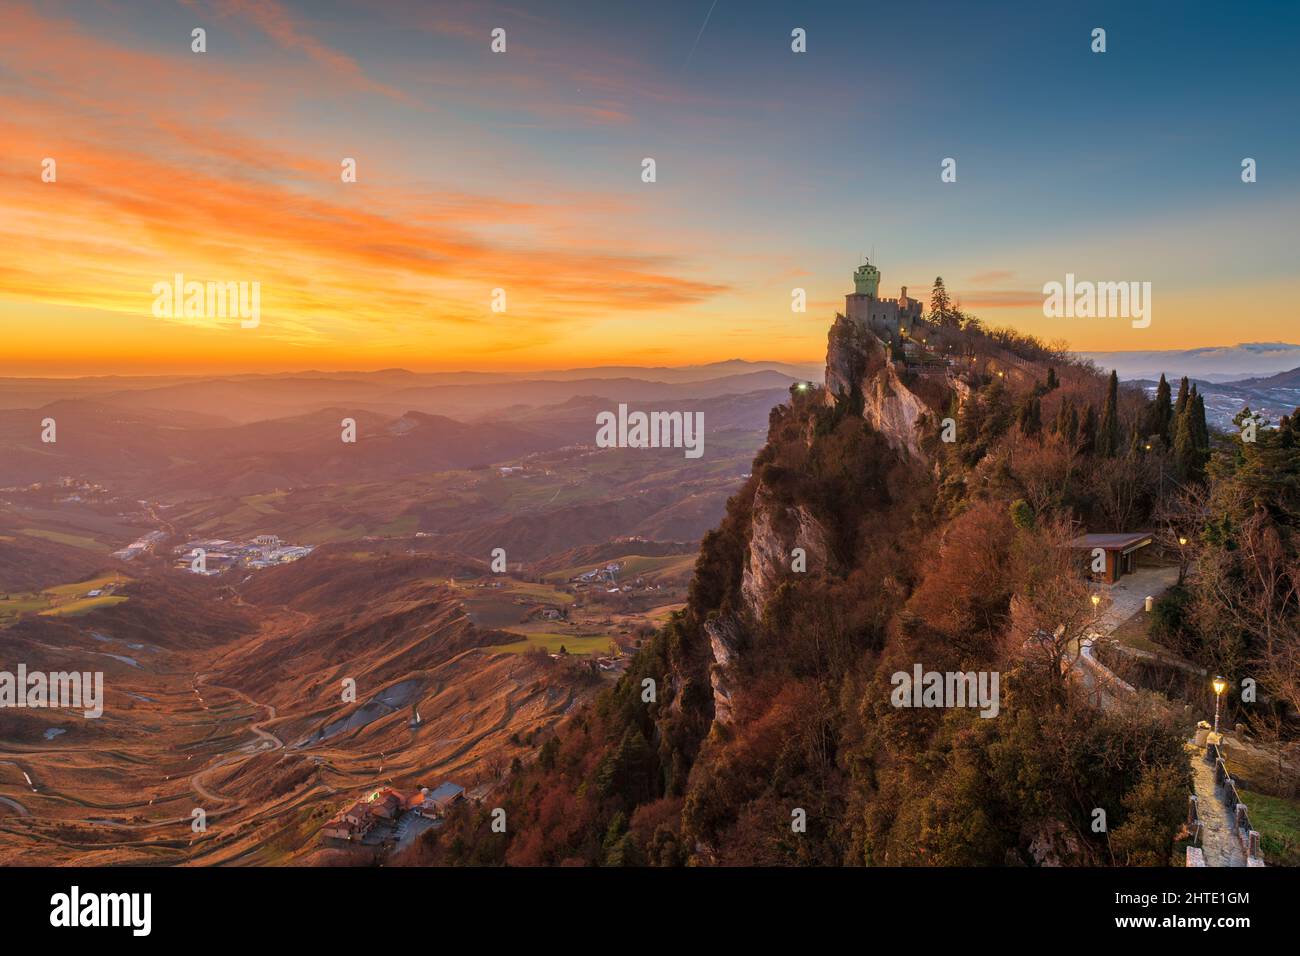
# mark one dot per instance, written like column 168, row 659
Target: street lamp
column 1096, row 599
column 1218, row 684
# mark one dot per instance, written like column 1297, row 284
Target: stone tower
column 885, row 317
column 866, row 281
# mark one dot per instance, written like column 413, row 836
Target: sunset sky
column 522, row 171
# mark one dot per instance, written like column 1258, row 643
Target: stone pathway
column 1218, row 827
column 1124, row 599
column 1219, row 841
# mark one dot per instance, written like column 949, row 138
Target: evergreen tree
column 1030, row 416
column 1088, row 430
column 1072, row 426
column 1108, row 437
column 1062, row 417
column 1162, row 411
column 1187, row 458
column 1052, row 383
column 940, row 304
column 1267, row 469
column 1182, row 400
column 1200, row 430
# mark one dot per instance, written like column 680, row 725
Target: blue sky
column 775, row 169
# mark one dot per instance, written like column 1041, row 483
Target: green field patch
column 541, row 593
column 13, row 606
column 81, row 587
column 406, row 524
column 264, row 503
column 634, row 565
column 83, row 605
column 59, row 537
column 62, row 598
column 326, row 533
column 551, row 642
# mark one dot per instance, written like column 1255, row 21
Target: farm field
column 552, row 642
column 634, row 565
column 62, row 599
column 59, row 537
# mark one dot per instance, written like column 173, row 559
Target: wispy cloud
column 150, row 186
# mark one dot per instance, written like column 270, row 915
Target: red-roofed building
column 385, row 803
column 350, row 824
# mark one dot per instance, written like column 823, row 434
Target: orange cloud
column 150, row 185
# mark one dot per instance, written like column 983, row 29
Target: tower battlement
column 882, row 316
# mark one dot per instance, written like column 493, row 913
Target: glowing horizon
column 521, row 171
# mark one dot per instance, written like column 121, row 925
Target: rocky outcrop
column 724, row 638
column 857, row 362
column 852, row 353
column 893, row 410
column 1050, row 843
column 775, row 531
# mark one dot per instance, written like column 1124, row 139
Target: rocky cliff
column 860, row 379
column 858, row 368
column 775, row 531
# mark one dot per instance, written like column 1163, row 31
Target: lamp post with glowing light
column 1182, row 558
column 1219, row 684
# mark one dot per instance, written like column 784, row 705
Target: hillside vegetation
column 771, row 689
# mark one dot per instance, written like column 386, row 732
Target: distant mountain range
column 1272, row 396
column 1216, row 363
column 1265, row 376
column 240, row 399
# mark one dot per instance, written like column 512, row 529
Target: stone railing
column 1195, row 855
column 1248, row 836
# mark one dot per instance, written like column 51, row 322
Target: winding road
column 241, row 752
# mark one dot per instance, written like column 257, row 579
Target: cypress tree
column 1160, row 414
column 1108, row 438
column 1072, row 426
column 1187, row 459
column 1182, row 398
column 1088, row 430
column 1200, row 430
column 1030, row 416
column 1062, row 417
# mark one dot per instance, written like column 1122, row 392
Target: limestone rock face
column 850, row 351
column 775, row 531
column 855, row 358
column 893, row 410
column 724, row 639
